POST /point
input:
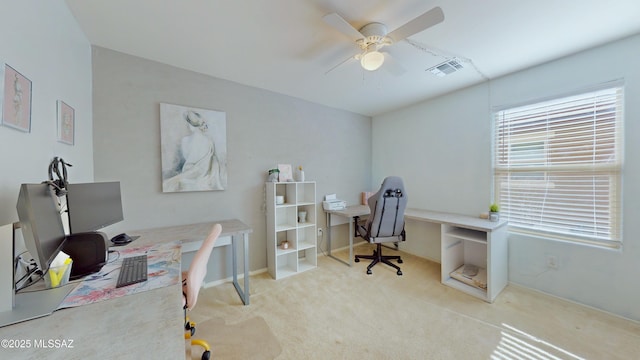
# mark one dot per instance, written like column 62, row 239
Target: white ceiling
column 284, row 45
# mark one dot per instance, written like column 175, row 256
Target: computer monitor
column 93, row 206
column 40, row 222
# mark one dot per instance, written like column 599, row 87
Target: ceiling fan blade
column 341, row 63
column 342, row 25
column 422, row 22
column 392, row 65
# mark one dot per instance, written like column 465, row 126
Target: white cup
column 279, row 200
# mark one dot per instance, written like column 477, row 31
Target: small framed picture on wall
column 66, row 123
column 16, row 112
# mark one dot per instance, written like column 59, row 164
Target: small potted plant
column 273, row 175
column 494, row 212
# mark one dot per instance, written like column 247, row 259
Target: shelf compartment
column 288, row 190
column 290, row 236
column 307, row 259
column 311, row 215
column 286, row 218
column 304, row 265
column 306, row 237
column 306, row 193
column 457, row 251
column 287, row 264
column 467, row 234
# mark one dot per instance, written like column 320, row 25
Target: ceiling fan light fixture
column 372, row 60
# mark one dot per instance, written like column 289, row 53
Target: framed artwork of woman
column 194, row 149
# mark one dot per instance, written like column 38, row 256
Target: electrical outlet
column 319, row 232
column 552, row 261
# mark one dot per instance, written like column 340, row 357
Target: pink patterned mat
column 163, row 262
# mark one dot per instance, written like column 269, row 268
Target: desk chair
column 385, row 222
column 191, row 284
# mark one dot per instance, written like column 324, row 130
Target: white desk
column 485, row 243
column 147, row 325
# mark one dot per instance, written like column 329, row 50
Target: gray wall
column 446, row 162
column 263, row 130
column 42, row 41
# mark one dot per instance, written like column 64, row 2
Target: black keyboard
column 133, row 270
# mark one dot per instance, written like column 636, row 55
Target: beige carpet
column 249, row 339
column 338, row 312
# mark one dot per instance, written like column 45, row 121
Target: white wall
column 42, row 41
column 263, row 129
column 445, row 157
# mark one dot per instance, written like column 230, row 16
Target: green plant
column 494, row 207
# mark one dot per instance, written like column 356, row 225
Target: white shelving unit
column 283, row 225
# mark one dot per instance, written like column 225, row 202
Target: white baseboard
column 230, row 279
column 522, row 287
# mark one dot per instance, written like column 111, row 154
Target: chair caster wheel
column 399, row 272
column 206, row 355
column 369, row 272
column 356, row 260
column 399, row 261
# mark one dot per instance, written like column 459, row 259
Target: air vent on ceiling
column 448, row 67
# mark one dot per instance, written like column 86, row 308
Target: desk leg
column 328, row 216
column 329, row 242
column 351, row 231
column 244, row 295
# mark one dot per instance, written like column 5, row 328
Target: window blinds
column 558, row 164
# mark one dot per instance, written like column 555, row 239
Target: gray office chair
column 385, row 222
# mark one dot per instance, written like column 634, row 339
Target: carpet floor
column 339, row 312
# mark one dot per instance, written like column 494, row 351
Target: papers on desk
column 332, row 203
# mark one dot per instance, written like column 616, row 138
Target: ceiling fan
column 372, row 37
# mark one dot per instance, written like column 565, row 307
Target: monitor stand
column 34, row 304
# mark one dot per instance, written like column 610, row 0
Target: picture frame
column 16, row 99
column 193, row 145
column 66, row 123
column 286, row 172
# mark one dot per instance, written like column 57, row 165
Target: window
column 558, row 167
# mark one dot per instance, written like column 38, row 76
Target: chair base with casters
column 190, row 330
column 377, row 257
